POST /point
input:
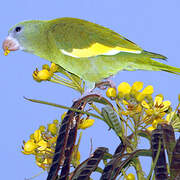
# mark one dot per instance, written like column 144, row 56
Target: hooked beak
column 10, row 44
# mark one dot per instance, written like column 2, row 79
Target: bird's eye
column 18, row 29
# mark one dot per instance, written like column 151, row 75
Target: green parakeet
column 85, row 49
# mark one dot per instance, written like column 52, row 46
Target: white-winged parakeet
column 88, row 50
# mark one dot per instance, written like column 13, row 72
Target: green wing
column 72, row 33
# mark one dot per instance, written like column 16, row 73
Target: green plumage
column 47, row 39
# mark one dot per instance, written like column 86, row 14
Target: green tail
column 163, row 67
column 154, row 55
column 146, row 63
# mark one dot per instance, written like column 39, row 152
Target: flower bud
column 52, row 129
column 124, row 88
column 54, row 68
column 86, row 123
column 46, row 66
column 111, row 92
column 130, row 176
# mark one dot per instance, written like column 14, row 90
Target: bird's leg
column 89, row 90
column 105, row 84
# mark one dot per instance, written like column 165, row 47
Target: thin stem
column 139, row 171
column 64, row 107
column 128, row 125
column 96, row 108
column 59, row 77
column 131, row 122
column 64, row 84
column 123, row 173
column 177, row 107
column 61, row 80
column 135, row 136
column 35, row 176
column 69, row 76
column 155, row 160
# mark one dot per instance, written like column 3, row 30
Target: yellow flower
column 52, row 140
column 130, row 176
column 156, row 122
column 149, row 90
column 56, row 121
column 146, row 92
column 42, row 145
column 174, row 119
column 124, row 88
column 75, row 161
column 37, row 135
column 137, row 86
column 161, row 105
column 145, row 104
column 125, row 103
column 157, row 110
column 86, row 123
column 42, row 128
column 6, row 52
column 111, row 92
column 43, row 163
column 170, row 116
column 151, row 128
column 29, row 147
column 40, row 157
column 43, row 75
column 54, row 68
column 52, row 128
column 131, row 109
column 31, row 136
column 63, row 115
column 76, row 156
column 46, row 66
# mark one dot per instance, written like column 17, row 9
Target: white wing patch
column 69, row 54
column 114, row 51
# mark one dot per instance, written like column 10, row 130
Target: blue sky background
column 154, row 25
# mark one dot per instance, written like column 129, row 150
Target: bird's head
column 23, row 36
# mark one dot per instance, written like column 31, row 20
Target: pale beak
column 10, row 44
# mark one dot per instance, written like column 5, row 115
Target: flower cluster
column 155, row 112
column 58, row 75
column 46, row 73
column 42, row 144
column 134, row 112
column 43, row 141
column 126, row 91
column 137, row 104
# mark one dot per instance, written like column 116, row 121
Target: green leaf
column 112, row 120
column 144, row 133
column 64, row 107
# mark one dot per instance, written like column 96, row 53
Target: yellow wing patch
column 98, row 49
